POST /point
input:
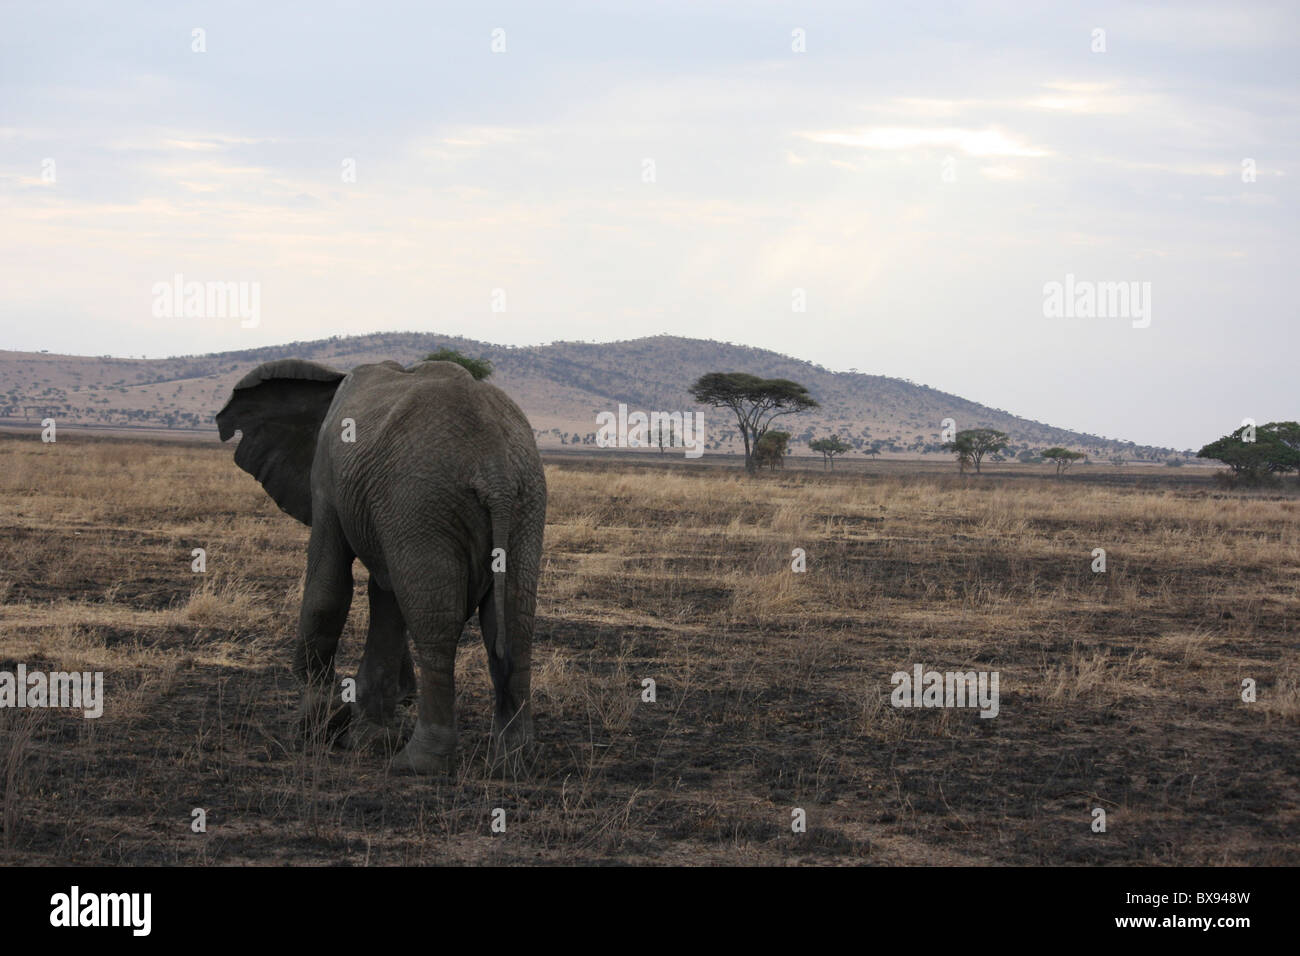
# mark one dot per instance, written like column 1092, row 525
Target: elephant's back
column 434, row 401
column 430, row 445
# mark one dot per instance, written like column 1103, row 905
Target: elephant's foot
column 431, row 750
column 360, row 733
column 421, row 762
column 338, row 723
column 312, row 716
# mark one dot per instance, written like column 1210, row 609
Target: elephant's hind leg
column 432, row 747
column 386, row 675
column 326, row 599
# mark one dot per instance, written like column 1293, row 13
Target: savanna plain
column 1119, row 690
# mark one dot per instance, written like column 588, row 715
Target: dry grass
column 1120, row 689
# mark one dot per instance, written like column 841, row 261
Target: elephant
column 432, row 479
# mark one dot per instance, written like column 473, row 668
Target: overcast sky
column 920, row 178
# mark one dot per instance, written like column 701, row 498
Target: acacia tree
column 973, row 444
column 1276, row 449
column 755, row 401
column 771, row 449
column 829, row 448
column 1063, row 458
column 1287, row 433
column 480, row 368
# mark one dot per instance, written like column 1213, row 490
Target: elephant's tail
column 500, row 512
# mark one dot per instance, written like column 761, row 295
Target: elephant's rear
column 471, row 494
column 447, row 454
column 420, row 473
column 433, row 451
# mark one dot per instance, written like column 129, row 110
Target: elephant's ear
column 279, row 407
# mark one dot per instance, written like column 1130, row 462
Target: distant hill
column 561, row 387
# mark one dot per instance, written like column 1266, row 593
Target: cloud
column 972, row 142
column 209, row 143
column 1001, row 172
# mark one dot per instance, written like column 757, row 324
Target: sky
column 890, row 188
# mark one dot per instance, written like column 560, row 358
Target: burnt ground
column 1118, row 691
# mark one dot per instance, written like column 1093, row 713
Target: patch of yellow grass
column 224, row 603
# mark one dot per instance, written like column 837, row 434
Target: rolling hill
column 561, row 386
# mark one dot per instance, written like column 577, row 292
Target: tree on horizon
column 1063, row 458
column 829, row 448
column 1254, row 458
column 973, row 444
column 756, row 403
column 480, row 368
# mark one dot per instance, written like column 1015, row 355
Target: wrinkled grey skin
column 443, row 470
